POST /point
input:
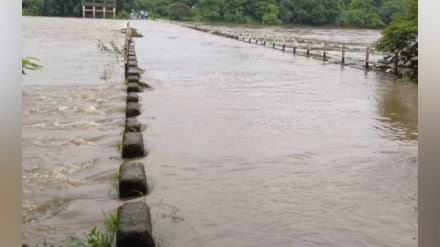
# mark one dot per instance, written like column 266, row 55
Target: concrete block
column 132, row 58
column 133, row 78
column 133, row 87
column 132, row 180
column 132, row 145
column 132, row 125
column 133, row 71
column 132, row 63
column 132, row 109
column 134, row 226
column 132, row 97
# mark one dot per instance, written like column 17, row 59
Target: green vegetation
column 352, row 13
column 401, row 30
column 315, row 12
column 178, row 11
column 123, row 15
column 30, row 63
column 95, row 237
column 51, row 7
column 363, row 13
column 111, row 49
column 401, row 37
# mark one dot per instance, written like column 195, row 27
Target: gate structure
column 99, row 6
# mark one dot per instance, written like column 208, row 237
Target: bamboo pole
column 325, row 52
column 308, row 48
column 396, row 63
column 367, row 57
column 343, row 54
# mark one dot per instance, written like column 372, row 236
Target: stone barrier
column 132, row 97
column 132, row 180
column 132, row 109
column 132, row 125
column 132, row 145
column 133, row 87
column 133, row 78
column 134, row 221
column 134, row 225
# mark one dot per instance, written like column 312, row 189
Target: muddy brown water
column 247, row 145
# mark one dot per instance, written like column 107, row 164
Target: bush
column 271, row 19
column 123, row 15
column 234, row 17
column 270, row 15
column 179, row 10
column 30, row 63
column 402, row 28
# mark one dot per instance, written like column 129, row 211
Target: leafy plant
column 403, row 28
column 111, row 222
column 96, row 238
column 30, row 63
column 123, row 15
column 111, row 49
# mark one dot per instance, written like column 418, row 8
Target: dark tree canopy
column 310, row 12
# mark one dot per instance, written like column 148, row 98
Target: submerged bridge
column 99, row 6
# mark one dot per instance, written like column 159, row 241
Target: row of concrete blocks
column 134, row 220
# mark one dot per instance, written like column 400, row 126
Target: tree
column 391, row 7
column 401, row 30
column 210, row 9
column 271, row 15
column 233, row 10
column 32, row 7
column 179, row 10
column 315, row 12
column 363, row 13
column 60, row 8
column 401, row 38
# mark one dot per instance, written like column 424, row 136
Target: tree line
column 352, row 13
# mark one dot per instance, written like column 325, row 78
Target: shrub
column 179, row 10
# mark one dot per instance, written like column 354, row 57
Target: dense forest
column 353, row 13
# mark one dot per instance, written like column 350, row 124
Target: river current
column 246, row 145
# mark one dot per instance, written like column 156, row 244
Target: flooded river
column 247, row 145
